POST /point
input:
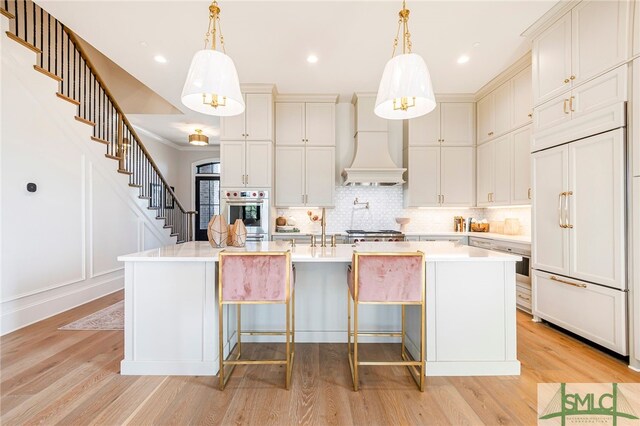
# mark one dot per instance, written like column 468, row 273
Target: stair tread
column 68, row 99
column 7, row 14
column 113, row 157
column 100, row 140
column 144, row 197
column 17, row 39
column 85, row 121
column 47, row 73
column 125, row 172
column 135, row 185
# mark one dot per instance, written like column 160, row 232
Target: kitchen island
column 171, row 309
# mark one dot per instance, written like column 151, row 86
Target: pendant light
column 405, row 88
column 198, row 138
column 212, row 86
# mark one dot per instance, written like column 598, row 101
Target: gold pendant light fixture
column 198, row 138
column 405, row 88
column 212, row 86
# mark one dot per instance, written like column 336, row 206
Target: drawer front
column 523, row 300
column 594, row 312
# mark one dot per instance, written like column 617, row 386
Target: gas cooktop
column 379, row 232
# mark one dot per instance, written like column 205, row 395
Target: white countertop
column 435, row 251
column 524, row 239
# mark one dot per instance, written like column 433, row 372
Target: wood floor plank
column 72, row 378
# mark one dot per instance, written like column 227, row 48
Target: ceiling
column 269, row 42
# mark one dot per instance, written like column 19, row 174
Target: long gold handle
column 571, row 103
column 566, row 209
column 529, row 193
column 564, row 106
column 554, row 278
column 560, row 218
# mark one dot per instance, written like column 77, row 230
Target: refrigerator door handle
column 556, row 279
column 566, row 209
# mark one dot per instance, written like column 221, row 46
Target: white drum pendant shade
column 213, row 73
column 405, row 76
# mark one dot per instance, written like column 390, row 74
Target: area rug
column 109, row 318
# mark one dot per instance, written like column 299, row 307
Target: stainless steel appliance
column 358, row 235
column 523, row 267
column 252, row 207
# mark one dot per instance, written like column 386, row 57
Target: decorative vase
column 239, row 233
column 230, row 235
column 218, row 231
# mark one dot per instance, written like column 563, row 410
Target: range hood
column 372, row 164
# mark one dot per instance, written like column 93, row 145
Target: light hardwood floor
column 72, row 377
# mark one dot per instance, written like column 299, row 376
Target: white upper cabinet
column 599, row 37
column 256, row 123
column 635, row 119
column 485, row 173
column 457, row 173
column 450, row 123
column 502, row 171
column 320, row 123
column 636, row 29
column 521, row 167
column 589, row 40
column 522, row 98
column 503, row 104
column 290, row 119
column 551, row 61
column 320, row 175
column 486, row 118
column 232, row 164
column 425, row 130
column 423, row 176
column 245, row 164
column 290, row 173
column 457, row 123
column 306, row 123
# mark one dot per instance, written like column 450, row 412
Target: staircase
column 62, row 58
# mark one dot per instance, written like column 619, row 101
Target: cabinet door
column 635, row 112
column 549, row 115
column 457, row 173
column 503, row 105
column 485, row 174
column 232, row 166
column 486, row 118
column 290, row 173
column 232, row 128
column 423, row 181
column 502, row 171
column 606, row 90
column 425, row 130
column 596, row 209
column 599, row 37
column 259, row 164
column 521, row 167
column 522, row 100
column 320, row 123
column 551, row 61
column 259, row 117
column 320, row 175
column 636, row 30
column 550, row 178
column 290, row 123
column 457, row 123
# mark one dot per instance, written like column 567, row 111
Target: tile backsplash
column 386, row 203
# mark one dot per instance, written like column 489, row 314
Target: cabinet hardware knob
column 573, row 77
column 566, row 80
column 530, row 115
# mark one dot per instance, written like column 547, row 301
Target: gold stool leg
column 287, row 349
column 239, row 329
column 403, row 333
column 220, row 347
column 355, row 345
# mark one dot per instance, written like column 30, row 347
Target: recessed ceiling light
column 160, row 59
column 312, row 59
column 476, row 44
column 143, row 44
column 463, row 59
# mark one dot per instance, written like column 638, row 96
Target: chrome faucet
column 323, row 223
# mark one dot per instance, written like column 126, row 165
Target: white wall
column 58, row 245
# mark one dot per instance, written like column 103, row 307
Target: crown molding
column 300, row 97
column 504, row 76
column 259, row 88
column 549, row 18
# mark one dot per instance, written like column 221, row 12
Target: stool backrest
column 389, row 277
column 254, row 277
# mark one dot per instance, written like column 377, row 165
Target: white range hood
column 372, row 164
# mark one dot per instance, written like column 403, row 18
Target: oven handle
column 244, row 203
column 255, row 237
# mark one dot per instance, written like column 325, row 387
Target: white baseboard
column 473, row 368
column 42, row 305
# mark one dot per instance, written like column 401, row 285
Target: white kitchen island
column 171, row 309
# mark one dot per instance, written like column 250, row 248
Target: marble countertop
column 524, row 239
column 435, row 251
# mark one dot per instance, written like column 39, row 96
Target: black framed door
column 207, row 203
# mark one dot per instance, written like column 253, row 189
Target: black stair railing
column 62, row 57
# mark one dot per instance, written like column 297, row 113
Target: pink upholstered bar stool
column 386, row 278
column 256, row 278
